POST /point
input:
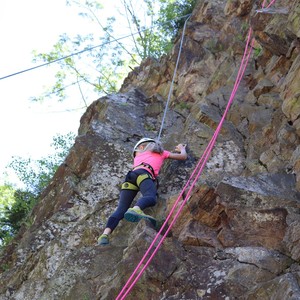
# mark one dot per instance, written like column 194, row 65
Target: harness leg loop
column 129, row 186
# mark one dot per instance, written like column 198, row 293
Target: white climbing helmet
column 142, row 141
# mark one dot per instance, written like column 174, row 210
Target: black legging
column 148, row 199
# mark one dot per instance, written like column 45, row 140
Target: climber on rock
column 149, row 156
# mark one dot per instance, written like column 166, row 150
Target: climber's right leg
column 126, row 198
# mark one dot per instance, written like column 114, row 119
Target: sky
column 26, row 127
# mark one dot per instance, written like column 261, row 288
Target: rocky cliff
column 238, row 235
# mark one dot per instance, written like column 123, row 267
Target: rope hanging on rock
column 158, row 240
column 173, row 79
column 193, row 178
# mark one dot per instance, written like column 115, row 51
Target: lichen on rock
column 238, row 235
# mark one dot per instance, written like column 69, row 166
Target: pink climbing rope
column 271, row 3
column 195, row 174
column 200, row 165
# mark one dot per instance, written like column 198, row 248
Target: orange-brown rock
column 238, row 235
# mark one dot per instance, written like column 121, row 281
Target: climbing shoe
column 103, row 240
column 136, row 214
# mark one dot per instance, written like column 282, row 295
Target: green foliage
column 183, row 105
column 257, row 51
column 35, row 175
column 4, row 267
column 6, row 201
column 245, row 27
column 165, row 22
column 6, row 196
column 169, row 13
column 15, row 215
column 100, row 69
column 152, row 27
column 240, row 37
column 214, row 46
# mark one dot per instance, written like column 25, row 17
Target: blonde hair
column 155, row 147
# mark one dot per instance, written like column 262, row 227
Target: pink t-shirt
column 155, row 160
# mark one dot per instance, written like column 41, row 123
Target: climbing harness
column 151, row 174
column 158, row 240
column 133, row 180
column 147, row 166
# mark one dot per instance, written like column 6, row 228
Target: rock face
column 238, row 235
